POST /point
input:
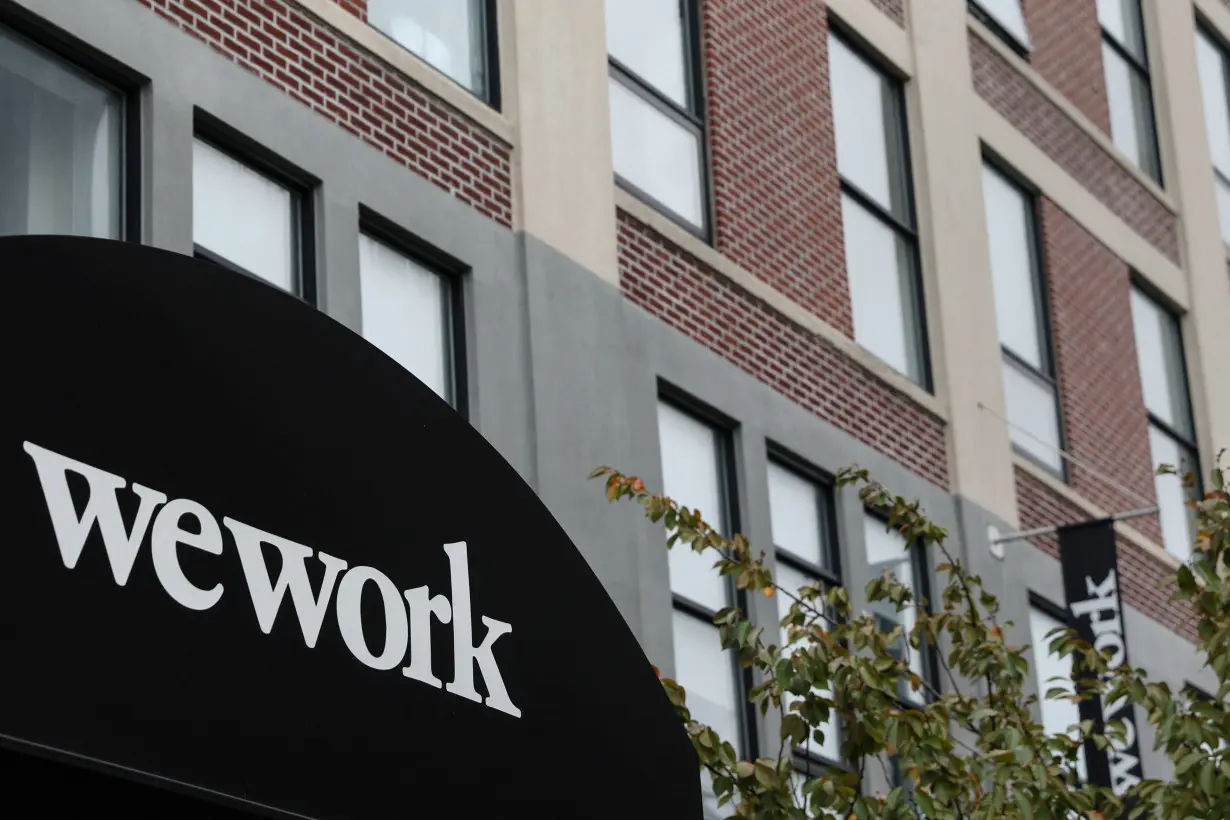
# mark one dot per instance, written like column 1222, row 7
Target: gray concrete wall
column 562, row 373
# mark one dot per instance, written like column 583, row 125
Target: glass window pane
column 707, row 672
column 1131, row 111
column 1212, row 62
column 1014, row 267
column 1159, row 351
column 796, row 511
column 1121, row 19
column 692, row 475
column 887, row 552
column 1222, row 188
column 1057, row 715
column 1033, row 414
column 1172, row 496
column 406, row 313
column 1009, row 15
column 450, row 36
column 792, row 580
column 243, row 216
column 656, row 153
column 647, row 36
column 866, row 119
column 59, row 147
column 880, row 274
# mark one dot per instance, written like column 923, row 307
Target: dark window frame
column 128, row 85
column 1043, row 321
column 301, row 185
column 693, row 118
column 905, row 226
column 453, row 272
column 724, row 428
column 1139, row 66
column 831, row 576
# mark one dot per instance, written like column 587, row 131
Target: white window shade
column 1010, row 234
column 1172, row 496
column 1159, row 352
column 1131, row 111
column 243, row 216
column 406, row 313
column 887, row 552
column 1009, row 16
column 1033, row 414
column 1057, row 715
column 788, row 578
column 795, row 515
column 691, row 474
column 656, row 153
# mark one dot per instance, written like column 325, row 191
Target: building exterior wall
column 582, row 303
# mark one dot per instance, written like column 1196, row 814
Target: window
column 694, row 462
column 60, row 146
column 246, row 220
column 453, row 37
column 408, row 313
column 877, row 211
column 1057, row 715
column 1030, row 391
column 657, row 120
column 1125, row 60
column 801, row 514
column 1006, row 18
column 887, row 551
column 1211, row 56
column 1163, row 380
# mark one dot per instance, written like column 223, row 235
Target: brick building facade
column 697, row 206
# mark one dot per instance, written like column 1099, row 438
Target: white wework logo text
column 407, row 614
column 1102, row 610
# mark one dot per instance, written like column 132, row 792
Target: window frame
column 1139, row 67
column 827, row 504
column 127, row 84
column 301, row 186
column 726, row 458
column 452, row 272
column 1210, row 33
column 903, row 230
column 920, row 565
column 1185, row 443
column 1043, row 320
column 695, row 121
column 491, row 94
column 1062, row 615
column 1023, row 49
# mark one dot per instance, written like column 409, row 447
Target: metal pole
column 1123, row 516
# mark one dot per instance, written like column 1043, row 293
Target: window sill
column 421, row 73
column 1101, row 138
column 1094, row 511
column 775, row 299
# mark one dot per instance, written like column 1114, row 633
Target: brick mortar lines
column 895, row 9
column 683, row 292
column 1017, row 100
column 295, row 52
column 1140, row 573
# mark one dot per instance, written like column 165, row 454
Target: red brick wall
column 312, row 63
column 1067, row 52
column 1104, row 413
column 1140, row 572
column 1022, row 104
column 690, row 297
column 895, row 9
column 776, row 191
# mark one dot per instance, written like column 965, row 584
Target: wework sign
column 250, row 558
column 1091, row 584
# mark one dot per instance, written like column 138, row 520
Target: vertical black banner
column 1091, row 586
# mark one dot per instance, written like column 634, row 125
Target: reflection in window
column 60, row 146
column 450, row 35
